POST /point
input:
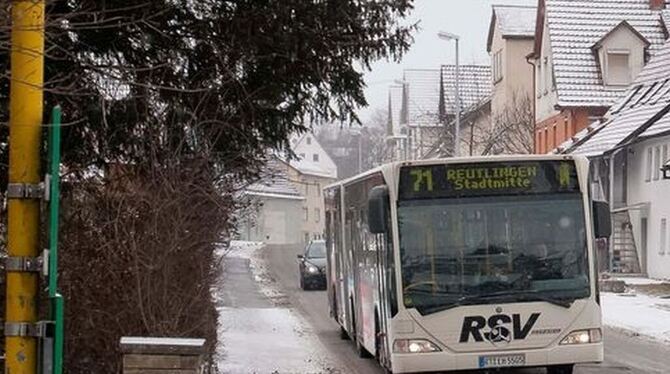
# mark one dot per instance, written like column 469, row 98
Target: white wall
column 517, row 79
column 545, row 94
column 274, row 222
column 311, row 187
column 308, row 146
column 656, row 193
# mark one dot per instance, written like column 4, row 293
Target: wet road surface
column 624, row 353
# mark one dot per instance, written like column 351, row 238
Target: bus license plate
column 502, row 361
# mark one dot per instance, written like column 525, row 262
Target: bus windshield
column 493, row 249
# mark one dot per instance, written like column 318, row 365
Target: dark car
column 312, row 265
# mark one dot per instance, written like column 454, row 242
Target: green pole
column 54, row 200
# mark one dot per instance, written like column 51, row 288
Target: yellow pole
column 25, row 119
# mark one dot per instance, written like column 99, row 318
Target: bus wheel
column 560, row 369
column 362, row 352
column 378, row 341
column 343, row 334
column 336, row 313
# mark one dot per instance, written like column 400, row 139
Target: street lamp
column 457, row 134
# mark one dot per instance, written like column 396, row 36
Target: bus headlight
column 414, row 346
column 583, row 337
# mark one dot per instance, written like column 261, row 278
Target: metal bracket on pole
column 25, row 329
column 26, row 191
column 24, row 264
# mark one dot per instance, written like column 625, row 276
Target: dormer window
column 620, row 54
column 617, row 68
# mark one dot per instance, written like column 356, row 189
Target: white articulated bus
column 478, row 263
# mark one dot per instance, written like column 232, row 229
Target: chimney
column 657, row 4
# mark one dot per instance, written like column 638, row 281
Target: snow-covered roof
column 575, row 26
column 422, row 92
column 274, row 182
column 512, row 21
column 394, row 109
column 307, row 167
column 642, row 111
column 474, row 87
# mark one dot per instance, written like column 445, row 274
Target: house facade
column 647, row 192
column 585, row 56
column 510, row 41
column 629, row 149
column 273, row 205
column 475, row 133
column 310, row 173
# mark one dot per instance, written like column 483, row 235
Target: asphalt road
column 624, row 353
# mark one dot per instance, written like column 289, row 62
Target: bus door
column 384, row 274
column 348, row 268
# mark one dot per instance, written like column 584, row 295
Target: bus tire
column 343, row 334
column 361, row 351
column 336, row 313
column 560, row 369
column 378, row 342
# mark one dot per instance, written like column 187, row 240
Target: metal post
column 25, row 120
column 457, row 133
column 457, row 136
column 54, row 208
column 360, row 156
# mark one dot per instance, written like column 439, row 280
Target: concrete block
column 143, row 355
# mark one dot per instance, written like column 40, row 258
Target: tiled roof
column 575, row 26
column 422, row 95
column 274, row 182
column 641, row 112
column 474, row 87
column 423, row 91
column 513, row 21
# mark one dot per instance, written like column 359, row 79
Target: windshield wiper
column 535, row 295
column 463, row 300
column 528, row 295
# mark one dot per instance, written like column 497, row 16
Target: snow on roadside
column 639, row 313
column 259, row 269
column 637, row 281
column 257, row 335
column 240, row 248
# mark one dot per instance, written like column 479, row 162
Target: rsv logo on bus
column 497, row 329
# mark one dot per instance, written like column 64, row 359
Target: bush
column 137, row 259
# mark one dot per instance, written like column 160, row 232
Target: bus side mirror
column 378, row 207
column 602, row 219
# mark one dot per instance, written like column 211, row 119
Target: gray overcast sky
column 467, row 18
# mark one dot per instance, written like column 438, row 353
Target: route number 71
column 423, row 179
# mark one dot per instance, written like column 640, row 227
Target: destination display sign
column 488, row 179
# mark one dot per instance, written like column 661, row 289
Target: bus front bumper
column 446, row 361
